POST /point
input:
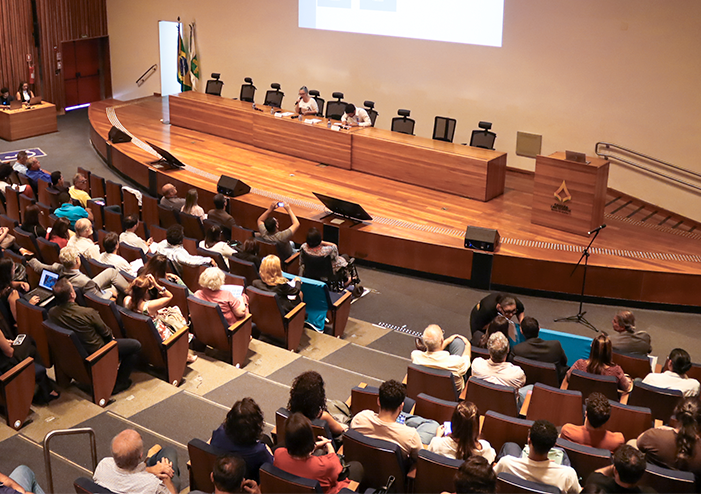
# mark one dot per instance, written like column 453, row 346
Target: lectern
column 569, row 195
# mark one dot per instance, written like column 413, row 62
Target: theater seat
column 202, row 457
column 489, row 396
column 631, row 421
column 498, row 429
column 319, row 427
column 666, row 480
column 29, row 319
column 270, row 320
column 434, row 473
column 84, row 485
column 588, row 383
column 438, row 382
column 511, row 484
column 559, row 406
column 380, row 459
column 276, row 481
column 17, row 391
column 434, row 408
column 585, row 459
column 661, row 402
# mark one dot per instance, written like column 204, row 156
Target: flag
column 194, row 61
column 183, row 70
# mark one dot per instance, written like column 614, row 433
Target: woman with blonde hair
column 272, row 280
column 191, row 206
column 600, row 362
column 462, row 442
column 233, row 308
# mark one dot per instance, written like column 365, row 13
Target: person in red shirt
column 593, row 433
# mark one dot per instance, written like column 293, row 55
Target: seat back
column 589, row 383
column 438, row 382
column 498, row 429
column 25, row 201
column 694, row 372
column 191, row 275
column 482, row 139
column 202, row 457
column 666, row 480
column 97, row 186
column 44, row 215
column 49, row 250
column 660, row 401
column 67, row 353
column 131, row 253
column 559, row 406
column 113, row 193
column 108, row 313
column 16, row 392
column 241, row 234
column 380, row 459
column 84, row 485
column 27, row 241
column 8, row 222
column 97, row 214
column 266, row 312
column 319, row 427
column 434, row 408
column 403, row 125
column 42, row 191
column 629, row 420
column 248, row 92
column 364, row 399
column 149, row 210
column 167, row 217
column 12, row 203
column 335, row 109
column 243, row 268
column 192, row 225
column 113, row 221
column 632, row 365
column 29, row 319
column 476, row 351
column 140, row 327
column 214, row 88
column 131, row 204
column 489, row 396
column 96, row 267
column 217, row 256
column 274, row 98
column 370, row 109
column 208, row 323
column 511, row 484
column 538, row 372
column 157, row 232
column 444, row 128
column 180, row 294
column 276, row 481
column 435, row 473
column 585, row 459
column 317, row 267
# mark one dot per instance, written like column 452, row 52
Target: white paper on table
column 336, row 127
column 284, row 114
column 236, row 290
column 312, row 121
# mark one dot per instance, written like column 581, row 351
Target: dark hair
column 681, row 361
column 629, row 463
column 499, row 324
column 21, row 155
column 598, row 409
column 392, row 394
column 530, row 327
column 212, row 236
column 30, row 215
column 138, row 291
column 506, row 301
column 175, row 234
column 64, row 198
column 6, row 276
column 60, row 228
column 313, row 237
column 4, row 90
column 62, row 291
column 600, row 354
column 156, row 265
column 299, row 436
column 5, row 171
column 270, row 224
column 251, row 246
column 219, row 201
column 244, row 422
column 350, row 108
column 307, row 395
column 688, row 415
column 110, row 242
column 131, row 221
column 55, row 177
column 475, row 475
column 190, row 201
column 466, row 427
column 228, row 472
column 21, row 84
column 543, row 436
column 626, row 320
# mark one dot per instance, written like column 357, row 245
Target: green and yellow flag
column 194, row 61
column 183, row 69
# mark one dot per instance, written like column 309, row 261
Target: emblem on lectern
column 562, row 195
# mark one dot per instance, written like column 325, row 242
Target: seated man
column 170, row 198
column 496, row 369
column 57, row 182
column 5, row 97
column 493, row 305
column 107, row 284
column 475, row 475
column 593, row 433
column 83, row 241
column 92, row 332
column 674, row 374
column 172, row 248
column 356, row 117
column 626, row 339
column 452, row 354
column 228, row 477
column 79, row 190
column 268, row 228
column 536, row 467
column 69, row 211
column 21, row 480
column 623, row 476
column 35, row 172
column 130, row 237
column 220, row 216
column 20, row 166
column 410, row 435
column 126, row 472
column 110, row 256
column 535, row 348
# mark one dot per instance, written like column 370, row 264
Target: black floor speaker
column 481, row 238
column 117, row 136
column 232, row 187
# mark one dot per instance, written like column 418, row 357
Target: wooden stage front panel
column 28, row 122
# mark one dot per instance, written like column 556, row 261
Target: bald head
column 127, row 449
column 169, row 190
column 433, row 338
column 83, row 227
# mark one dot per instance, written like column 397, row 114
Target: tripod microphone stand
column 579, row 317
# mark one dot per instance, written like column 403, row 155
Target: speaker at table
column 232, row 187
column 117, row 136
column 479, row 238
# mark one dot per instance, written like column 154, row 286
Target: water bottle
column 300, row 117
column 328, row 124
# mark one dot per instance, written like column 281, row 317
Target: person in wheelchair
column 314, row 251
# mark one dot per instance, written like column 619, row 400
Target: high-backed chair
column 538, row 372
column 190, row 245
column 444, row 129
column 29, row 319
column 86, row 173
column 321, row 269
column 482, row 137
column 85, row 485
column 434, row 408
column 169, row 356
column 131, row 204
column 149, row 210
column 559, row 406
column 217, row 256
column 632, row 365
column 435, row 473
column 97, row 214
column 49, row 250
column 665, row 480
column 508, row 483
column 214, row 85
column 380, row 459
column 244, row 268
column 180, row 294
column 113, row 193
column 240, row 234
column 27, row 241
column 167, row 217
column 44, row 213
column 71, row 361
column 694, row 372
column 97, row 186
column 97, row 267
column 629, row 420
column 270, row 320
column 131, row 253
column 319, row 427
column 53, row 199
column 17, row 391
column 158, row 233
column 438, row 382
column 489, row 396
column 364, row 398
column 191, row 275
column 319, row 101
column 42, row 191
column 113, row 221
column 336, row 108
column 585, row 459
column 109, row 313
column 12, row 203
column 276, row 481
column 476, row 351
column 274, row 96
column 339, row 309
column 370, row 109
column 498, row 429
column 661, row 402
column 210, row 327
column 8, row 222
column 192, row 225
column 202, row 457
column 25, row 201
column 588, row 383
column 248, row 90
column 403, row 123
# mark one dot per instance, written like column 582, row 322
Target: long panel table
column 461, row 170
column 28, row 122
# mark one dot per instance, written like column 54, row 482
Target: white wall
column 575, row 71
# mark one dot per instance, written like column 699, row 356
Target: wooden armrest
column 234, row 328
column 406, row 376
column 296, row 311
column 154, row 449
column 25, row 252
column 346, row 297
column 360, row 385
column 463, row 393
column 624, row 398
column 16, row 370
column 412, row 472
column 292, row 258
column 102, row 352
column 353, row 485
column 175, row 337
column 526, row 402
column 657, row 424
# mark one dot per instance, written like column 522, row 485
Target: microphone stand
column 579, row 317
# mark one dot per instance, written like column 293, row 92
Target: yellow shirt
column 79, row 195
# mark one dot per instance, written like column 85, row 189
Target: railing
column 146, row 75
column 603, row 150
column 66, row 432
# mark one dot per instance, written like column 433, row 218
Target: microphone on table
column 597, row 229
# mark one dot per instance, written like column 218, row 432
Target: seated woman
column 157, row 266
column 9, row 294
column 24, row 94
column 462, row 442
column 298, row 457
column 308, row 397
column 5, row 172
column 212, row 241
column 599, row 362
column 60, row 232
column 191, row 206
column 316, row 247
column 249, row 253
column 272, row 280
column 242, row 434
column 11, row 355
column 234, row 308
column 31, row 221
column 499, row 323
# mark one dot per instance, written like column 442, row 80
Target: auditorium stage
column 643, row 255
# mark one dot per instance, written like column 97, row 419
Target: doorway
column 168, row 48
column 86, row 72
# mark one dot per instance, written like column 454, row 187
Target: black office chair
column 319, row 101
column 444, row 129
column 274, row 96
column 248, row 90
column 336, row 109
column 370, row 108
column 214, row 85
column 403, row 123
column 483, row 138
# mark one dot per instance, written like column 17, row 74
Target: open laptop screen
column 48, row 279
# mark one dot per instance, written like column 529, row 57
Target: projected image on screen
column 475, row 22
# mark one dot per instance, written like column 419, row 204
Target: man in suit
column 535, row 348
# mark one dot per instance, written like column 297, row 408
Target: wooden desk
column 28, row 122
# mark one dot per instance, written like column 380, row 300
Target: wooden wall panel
column 15, row 42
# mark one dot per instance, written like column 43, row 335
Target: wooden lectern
column 568, row 195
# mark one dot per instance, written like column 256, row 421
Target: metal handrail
column 609, row 145
column 146, row 74
column 67, row 432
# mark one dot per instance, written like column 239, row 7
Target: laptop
column 15, row 105
column 45, row 289
column 35, row 100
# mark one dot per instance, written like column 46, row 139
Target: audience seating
column 44, row 215
column 29, row 319
column 498, row 429
column 86, row 173
column 158, row 233
column 434, row 408
column 632, row 365
column 25, row 201
column 71, row 361
column 149, row 210
column 217, row 256
column 169, row 355
column 131, row 204
column 476, row 351
column 49, row 250
column 511, row 484
column 113, row 221
column 439, row 382
column 276, row 481
column 339, row 308
column 167, row 217
column 97, row 267
column 435, row 473
column 27, row 241
column 210, row 328
column 380, row 459
column 42, row 192
column 241, row 234
column 695, row 372
column 488, row 396
column 538, row 372
column 585, row 459
column 631, row 421
column 8, row 222
column 97, row 186
column 85, row 485
column 17, row 391
column 192, row 226
column 180, row 294
column 191, row 275
column 113, row 193
column 12, row 204
column 109, row 313
column 270, row 320
column 98, row 217
column 660, row 401
column 190, row 245
column 588, row 383
column 319, row 427
column 131, row 253
column 364, row 397
column 559, row 406
column 202, row 457
column 666, row 480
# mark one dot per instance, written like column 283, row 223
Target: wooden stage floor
column 643, row 254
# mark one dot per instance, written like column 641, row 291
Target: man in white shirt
column 452, row 354
column 125, row 472
column 130, row 237
column 306, row 105
column 82, row 240
column 497, row 370
column 356, row 117
column 172, row 248
column 110, row 257
column 674, row 376
column 20, row 165
column 536, row 467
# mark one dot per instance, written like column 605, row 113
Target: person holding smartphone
column 269, row 228
column 459, row 438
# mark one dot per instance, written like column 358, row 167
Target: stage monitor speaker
column 117, row 136
column 232, row 187
column 481, row 238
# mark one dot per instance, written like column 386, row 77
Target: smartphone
column 19, row 340
column 448, row 428
column 401, row 418
column 280, row 204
